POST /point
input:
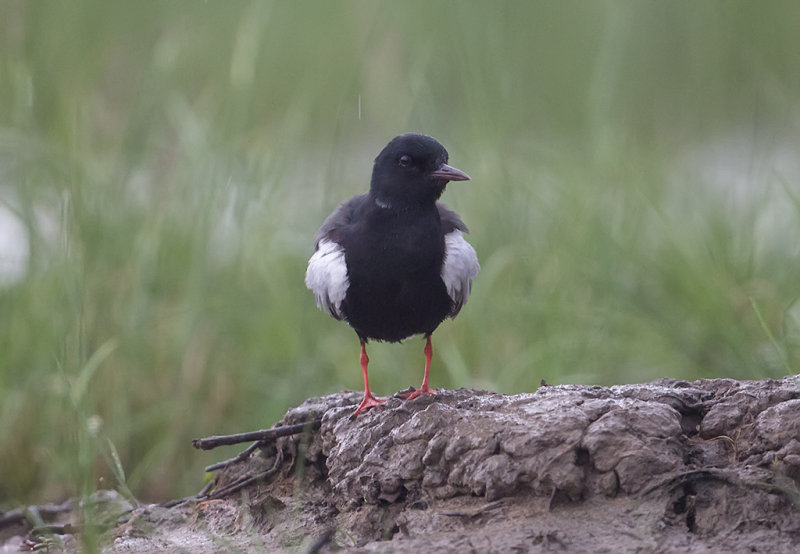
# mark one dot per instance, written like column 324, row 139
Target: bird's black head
column 412, row 169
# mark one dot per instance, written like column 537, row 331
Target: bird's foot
column 369, row 401
column 411, row 394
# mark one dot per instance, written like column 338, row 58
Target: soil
column 669, row 466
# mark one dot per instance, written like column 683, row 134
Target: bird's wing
column 460, row 260
column 341, row 217
column 450, row 220
column 326, row 275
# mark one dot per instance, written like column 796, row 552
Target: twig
column 209, row 443
column 242, row 483
column 55, row 529
column 11, row 517
column 259, row 438
column 199, row 496
column 239, row 485
column 21, row 514
column 238, row 458
column 205, row 490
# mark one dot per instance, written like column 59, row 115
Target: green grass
column 634, row 204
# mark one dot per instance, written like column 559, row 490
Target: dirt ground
column 669, row 466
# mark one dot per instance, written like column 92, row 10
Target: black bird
column 393, row 262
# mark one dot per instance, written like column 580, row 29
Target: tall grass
column 634, row 204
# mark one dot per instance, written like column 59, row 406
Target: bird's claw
column 370, row 401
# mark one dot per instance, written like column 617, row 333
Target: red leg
column 424, row 388
column 369, row 401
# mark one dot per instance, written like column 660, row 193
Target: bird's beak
column 449, row 173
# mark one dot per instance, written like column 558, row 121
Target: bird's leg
column 424, row 388
column 369, row 401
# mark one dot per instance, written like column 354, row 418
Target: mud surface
column 670, row 466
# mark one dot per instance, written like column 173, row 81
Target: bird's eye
column 404, row 161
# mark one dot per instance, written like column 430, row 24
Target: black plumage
column 393, row 262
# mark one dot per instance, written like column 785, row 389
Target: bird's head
column 412, row 169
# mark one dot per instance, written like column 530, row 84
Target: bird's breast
column 395, row 249
column 396, row 289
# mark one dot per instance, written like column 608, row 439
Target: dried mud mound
column 709, row 465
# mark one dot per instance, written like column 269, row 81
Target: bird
column 393, row 262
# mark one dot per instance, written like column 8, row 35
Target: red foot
column 369, row 401
column 423, row 389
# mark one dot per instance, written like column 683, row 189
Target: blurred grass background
column 164, row 165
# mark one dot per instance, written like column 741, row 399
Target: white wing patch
column 326, row 276
column 459, row 268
